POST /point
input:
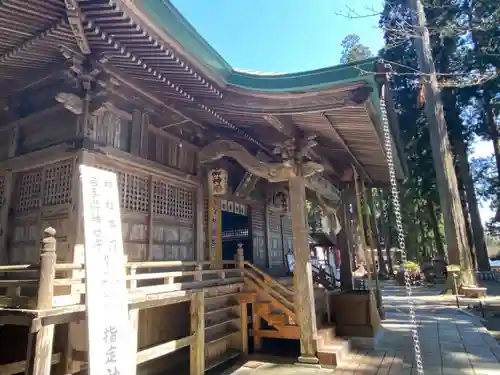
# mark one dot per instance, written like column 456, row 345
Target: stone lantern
column 217, row 181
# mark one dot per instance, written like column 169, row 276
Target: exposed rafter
column 129, row 9
column 347, row 149
column 75, row 21
column 122, row 51
column 42, row 36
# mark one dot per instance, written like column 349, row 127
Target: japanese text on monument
column 107, row 300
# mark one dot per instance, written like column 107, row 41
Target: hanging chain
column 401, row 236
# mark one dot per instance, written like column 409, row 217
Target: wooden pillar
column 5, row 200
column 344, row 242
column 197, row 353
column 199, row 218
column 39, row 351
column 302, row 273
column 215, row 231
column 373, row 245
column 240, row 264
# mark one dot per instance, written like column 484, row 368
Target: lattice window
column 57, row 184
column 133, row 190
column 173, row 201
column 160, row 198
column 180, row 202
column 29, row 186
column 135, row 194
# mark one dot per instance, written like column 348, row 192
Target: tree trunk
column 422, row 254
column 454, row 224
column 465, row 210
column 481, row 250
column 435, row 229
column 495, row 138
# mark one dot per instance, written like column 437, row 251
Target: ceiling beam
column 75, row 22
column 347, row 149
column 41, row 36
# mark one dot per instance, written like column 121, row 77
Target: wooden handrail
column 136, row 265
column 270, row 279
column 287, row 306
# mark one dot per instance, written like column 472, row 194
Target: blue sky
column 287, row 35
column 279, row 35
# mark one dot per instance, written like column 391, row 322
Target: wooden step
column 222, row 335
column 334, row 352
column 229, row 355
column 277, row 319
column 262, row 308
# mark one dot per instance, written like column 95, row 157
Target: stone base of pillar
column 308, row 361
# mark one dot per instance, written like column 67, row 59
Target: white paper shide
column 109, row 331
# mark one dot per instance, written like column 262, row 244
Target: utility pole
column 454, row 223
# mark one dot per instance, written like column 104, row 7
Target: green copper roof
column 165, row 15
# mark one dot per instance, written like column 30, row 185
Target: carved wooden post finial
column 47, row 269
column 240, row 258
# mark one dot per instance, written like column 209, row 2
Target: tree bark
column 465, row 210
column 446, row 179
column 481, row 250
column 423, row 253
column 435, row 229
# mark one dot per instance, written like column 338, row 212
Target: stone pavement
column 452, row 343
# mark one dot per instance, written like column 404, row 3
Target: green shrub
column 411, row 266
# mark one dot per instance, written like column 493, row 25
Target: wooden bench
column 474, row 291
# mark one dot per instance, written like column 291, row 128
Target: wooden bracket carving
column 323, row 187
column 272, row 171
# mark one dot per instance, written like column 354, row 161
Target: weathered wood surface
column 186, row 276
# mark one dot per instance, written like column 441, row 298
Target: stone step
column 333, row 353
column 326, row 335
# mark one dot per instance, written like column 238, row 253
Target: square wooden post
column 344, row 240
column 197, row 314
column 240, row 264
column 39, row 351
column 302, row 274
column 5, row 200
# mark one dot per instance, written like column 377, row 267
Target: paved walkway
column 452, row 343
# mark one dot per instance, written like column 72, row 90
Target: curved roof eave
column 164, row 14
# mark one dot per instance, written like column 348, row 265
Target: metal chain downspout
column 401, row 236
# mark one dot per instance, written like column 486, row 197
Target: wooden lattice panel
column 57, row 183
column 29, row 189
column 135, row 193
column 173, row 201
column 133, row 190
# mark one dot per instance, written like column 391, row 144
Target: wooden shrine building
column 214, row 166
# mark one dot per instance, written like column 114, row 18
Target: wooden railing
column 39, row 297
column 280, row 296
